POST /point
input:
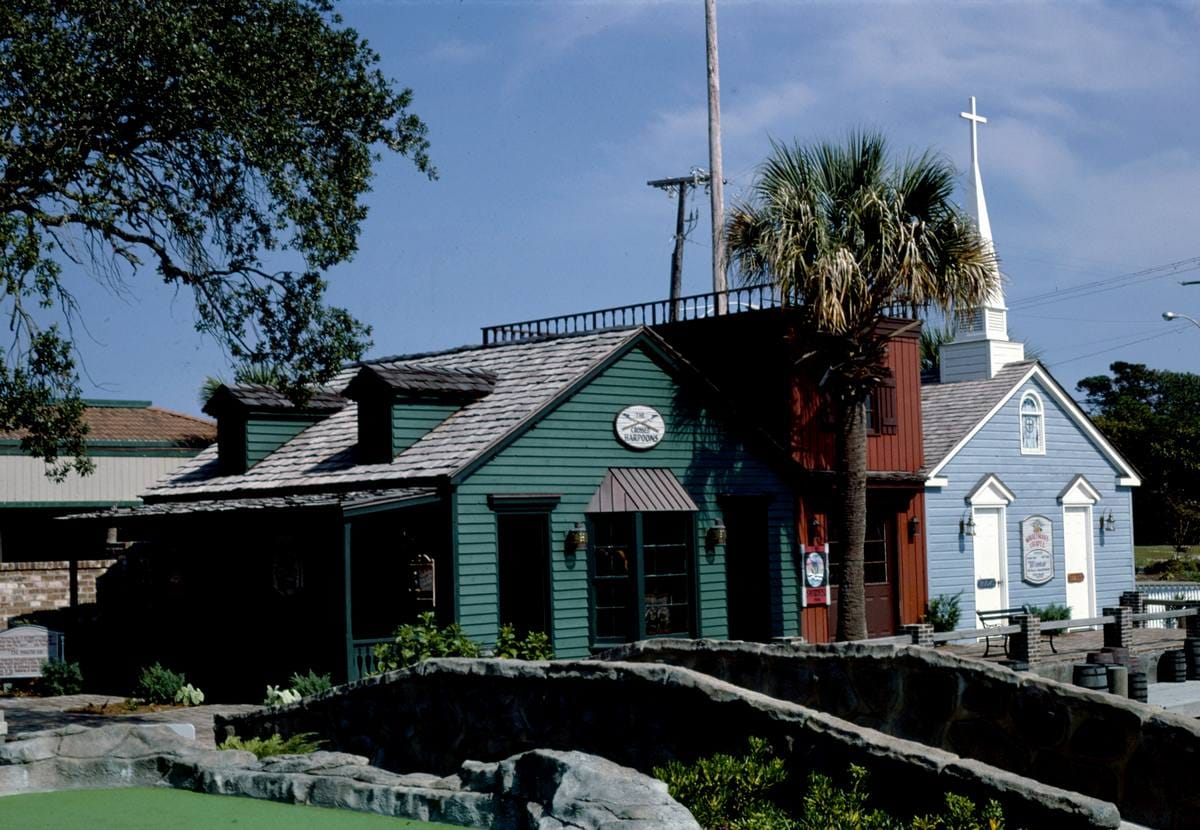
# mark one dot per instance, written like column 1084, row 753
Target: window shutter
column 887, row 405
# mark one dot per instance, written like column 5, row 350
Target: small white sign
column 639, row 427
column 1037, row 550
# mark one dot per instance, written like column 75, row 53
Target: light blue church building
column 1026, row 502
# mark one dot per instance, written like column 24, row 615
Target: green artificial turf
column 154, row 809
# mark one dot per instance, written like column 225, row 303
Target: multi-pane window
column 641, row 575
column 875, row 553
column 1033, row 425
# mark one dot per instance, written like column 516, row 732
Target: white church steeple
column 980, row 347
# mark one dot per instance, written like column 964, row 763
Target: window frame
column 1030, row 395
column 636, row 624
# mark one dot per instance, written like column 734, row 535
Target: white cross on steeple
column 980, row 347
column 975, row 120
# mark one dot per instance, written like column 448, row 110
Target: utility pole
column 682, row 183
column 716, row 181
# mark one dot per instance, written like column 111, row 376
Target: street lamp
column 1171, row 315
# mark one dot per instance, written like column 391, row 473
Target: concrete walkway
column 32, row 714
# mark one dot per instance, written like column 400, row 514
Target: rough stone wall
column 432, row 716
column 1088, row 742
column 538, row 790
column 26, row 587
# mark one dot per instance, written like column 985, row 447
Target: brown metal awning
column 640, row 489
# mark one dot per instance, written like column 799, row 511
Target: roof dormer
column 398, row 405
column 254, row 421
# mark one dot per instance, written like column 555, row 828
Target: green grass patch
column 154, row 809
column 1143, row 555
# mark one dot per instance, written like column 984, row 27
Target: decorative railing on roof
column 657, row 312
column 654, row 313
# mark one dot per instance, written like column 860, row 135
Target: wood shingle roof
column 527, row 375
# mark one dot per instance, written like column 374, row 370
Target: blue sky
column 547, row 118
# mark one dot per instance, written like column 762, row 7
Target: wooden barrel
column 1191, row 652
column 1100, row 658
column 1118, row 680
column 1120, row 653
column 1172, row 666
column 1090, row 676
column 1139, row 686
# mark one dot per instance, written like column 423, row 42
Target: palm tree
column 850, row 237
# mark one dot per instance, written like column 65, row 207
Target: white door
column 989, row 559
column 1077, row 556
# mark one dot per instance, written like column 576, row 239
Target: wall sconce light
column 1108, row 523
column 717, row 534
column 814, row 528
column 577, row 537
column 966, row 526
column 914, row 527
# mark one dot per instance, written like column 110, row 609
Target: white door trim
column 1002, row 552
column 1089, row 559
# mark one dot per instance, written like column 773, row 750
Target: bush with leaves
column 300, row 744
column 535, row 645
column 60, row 677
column 728, row 793
column 942, row 612
column 420, row 641
column 189, row 695
column 722, row 791
column 1050, row 613
column 307, row 685
column 159, row 685
column 277, row 696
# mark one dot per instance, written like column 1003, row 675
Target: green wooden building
column 594, row 487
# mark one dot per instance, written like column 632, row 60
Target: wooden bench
column 999, row 618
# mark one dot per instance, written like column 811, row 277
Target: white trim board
column 1127, row 477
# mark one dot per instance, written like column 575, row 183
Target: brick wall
column 26, row 587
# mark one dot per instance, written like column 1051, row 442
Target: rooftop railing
column 655, row 313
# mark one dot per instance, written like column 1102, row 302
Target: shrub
column 535, row 646
column 300, row 744
column 280, row 697
column 1051, row 612
column 727, row 793
column 422, row 640
column 159, row 685
column 61, row 677
column 722, row 791
column 942, row 612
column 310, row 684
column 189, row 695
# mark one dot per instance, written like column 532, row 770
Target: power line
column 1116, row 347
column 1109, row 284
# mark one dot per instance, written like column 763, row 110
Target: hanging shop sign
column 639, row 427
column 816, row 575
column 1037, row 550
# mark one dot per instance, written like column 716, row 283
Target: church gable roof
column 952, row 413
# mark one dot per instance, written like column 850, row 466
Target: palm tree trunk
column 852, row 489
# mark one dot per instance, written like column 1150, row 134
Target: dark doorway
column 524, row 544
column 746, row 570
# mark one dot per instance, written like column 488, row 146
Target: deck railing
column 1163, row 595
column 362, row 657
column 657, row 312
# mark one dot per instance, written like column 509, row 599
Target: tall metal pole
column 714, row 157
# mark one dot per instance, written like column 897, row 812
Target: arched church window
column 1033, row 425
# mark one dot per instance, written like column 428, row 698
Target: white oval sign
column 639, row 427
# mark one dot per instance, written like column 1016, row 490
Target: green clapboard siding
column 411, row 421
column 267, row 433
column 568, row 453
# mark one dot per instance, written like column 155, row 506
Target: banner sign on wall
column 816, row 575
column 1037, row 550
